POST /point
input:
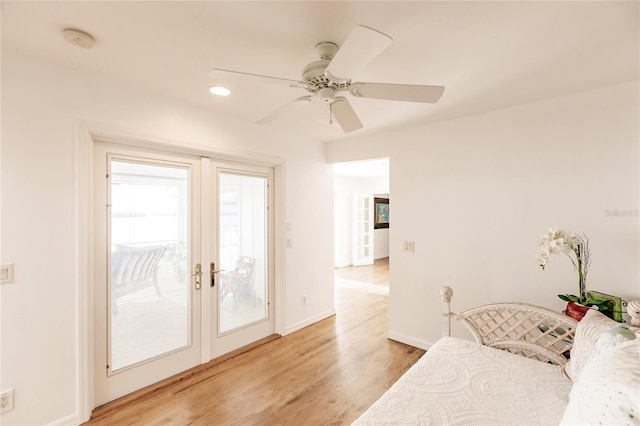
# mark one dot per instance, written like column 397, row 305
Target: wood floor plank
column 378, row 273
column 325, row 374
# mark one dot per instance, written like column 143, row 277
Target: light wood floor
column 378, row 273
column 327, row 373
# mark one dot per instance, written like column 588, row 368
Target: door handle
column 214, row 271
column 198, row 275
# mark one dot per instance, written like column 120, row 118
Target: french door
column 243, row 289
column 362, row 230
column 182, row 274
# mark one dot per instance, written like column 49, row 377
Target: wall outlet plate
column 6, row 401
column 6, row 273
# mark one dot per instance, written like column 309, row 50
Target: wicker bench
column 520, row 328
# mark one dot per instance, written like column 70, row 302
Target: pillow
column 588, row 330
column 608, row 388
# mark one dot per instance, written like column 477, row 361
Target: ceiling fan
column 327, row 78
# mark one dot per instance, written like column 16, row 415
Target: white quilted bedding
column 458, row 382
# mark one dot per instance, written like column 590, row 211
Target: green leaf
column 569, row 298
column 603, row 305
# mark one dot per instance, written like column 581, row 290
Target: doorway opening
column 361, row 249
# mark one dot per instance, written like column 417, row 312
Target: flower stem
column 582, row 291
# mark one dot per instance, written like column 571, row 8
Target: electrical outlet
column 6, row 401
column 304, row 299
column 6, row 273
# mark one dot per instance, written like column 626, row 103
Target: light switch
column 6, row 273
column 409, row 246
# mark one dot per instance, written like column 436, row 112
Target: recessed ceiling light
column 219, row 91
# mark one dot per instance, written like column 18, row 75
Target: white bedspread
column 461, row 382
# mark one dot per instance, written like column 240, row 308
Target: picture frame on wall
column 380, row 213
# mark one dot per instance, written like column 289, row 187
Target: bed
column 518, row 372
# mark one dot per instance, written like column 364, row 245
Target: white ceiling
column 488, row 55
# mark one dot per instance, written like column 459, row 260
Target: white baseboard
column 310, row 321
column 71, row 420
column 422, row 344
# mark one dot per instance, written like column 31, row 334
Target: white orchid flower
column 557, row 246
column 557, row 241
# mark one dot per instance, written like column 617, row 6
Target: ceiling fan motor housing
column 313, row 73
column 313, row 76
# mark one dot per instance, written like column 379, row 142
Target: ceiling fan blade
column 362, row 45
column 219, row 73
column 346, row 116
column 283, row 109
column 397, row 92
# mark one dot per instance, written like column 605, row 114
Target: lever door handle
column 198, row 275
column 214, row 271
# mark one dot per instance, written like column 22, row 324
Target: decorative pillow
column 588, row 330
column 608, row 388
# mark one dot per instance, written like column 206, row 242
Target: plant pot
column 576, row 310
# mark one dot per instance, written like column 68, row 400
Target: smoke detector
column 78, row 38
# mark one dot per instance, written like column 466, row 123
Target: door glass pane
column 242, row 251
column 149, row 291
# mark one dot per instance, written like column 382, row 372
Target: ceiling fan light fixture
column 219, row 91
column 327, row 94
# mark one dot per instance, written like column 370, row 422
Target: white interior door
column 242, row 249
column 362, row 230
column 147, row 304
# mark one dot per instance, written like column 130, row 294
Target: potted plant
column 176, row 254
column 576, row 247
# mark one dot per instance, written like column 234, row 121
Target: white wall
column 476, row 193
column 41, row 104
column 345, row 187
column 381, row 239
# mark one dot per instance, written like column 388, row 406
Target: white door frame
column 87, row 133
